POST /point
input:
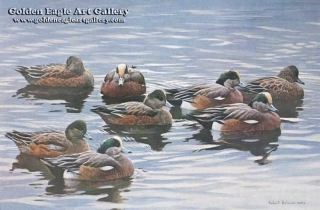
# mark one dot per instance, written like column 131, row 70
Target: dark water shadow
column 105, row 191
column 258, row 143
column 74, row 97
column 287, row 108
column 147, row 134
column 108, row 100
column 32, row 164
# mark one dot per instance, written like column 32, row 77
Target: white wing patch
column 55, row 147
column 251, row 121
column 70, row 174
column 219, row 98
column 106, row 168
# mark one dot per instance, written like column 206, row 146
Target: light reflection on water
column 181, row 166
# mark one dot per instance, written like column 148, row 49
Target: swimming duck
column 209, row 95
column 123, row 82
column 259, row 114
column 282, row 86
column 105, row 164
column 71, row 74
column 148, row 112
column 51, row 143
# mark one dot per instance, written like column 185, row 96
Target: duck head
column 112, row 146
column 290, row 73
column 122, row 71
column 77, row 131
column 263, row 103
column 75, row 65
column 230, row 79
column 156, row 100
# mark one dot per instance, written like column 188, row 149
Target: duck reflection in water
column 74, row 97
column 147, row 134
column 258, row 143
column 106, row 191
column 32, row 164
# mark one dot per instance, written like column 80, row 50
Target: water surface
column 181, row 166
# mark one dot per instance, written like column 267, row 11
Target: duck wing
column 74, row 161
column 238, row 111
column 136, row 76
column 109, row 76
column 276, row 84
column 128, row 108
column 55, row 140
column 187, row 93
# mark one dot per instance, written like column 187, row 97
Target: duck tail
column 55, row 170
column 19, row 138
column 174, row 101
column 100, row 109
column 202, row 121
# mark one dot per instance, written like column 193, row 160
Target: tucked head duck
column 71, row 74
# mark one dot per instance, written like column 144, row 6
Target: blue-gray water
column 172, row 43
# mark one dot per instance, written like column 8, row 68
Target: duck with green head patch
column 123, row 82
column 209, row 95
column 259, row 114
column 283, row 86
column 71, row 74
column 50, row 143
column 105, row 164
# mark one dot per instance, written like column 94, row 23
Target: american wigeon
column 203, row 96
column 282, row 86
column 71, row 74
column 259, row 114
column 51, row 143
column 148, row 112
column 105, row 164
column 123, row 82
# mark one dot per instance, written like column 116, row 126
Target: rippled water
column 182, row 166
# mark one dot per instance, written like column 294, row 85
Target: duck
column 284, row 85
column 148, row 112
column 104, row 165
column 123, row 82
column 71, row 74
column 51, row 143
column 258, row 115
column 202, row 96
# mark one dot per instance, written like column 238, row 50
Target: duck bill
column 124, row 150
column 299, row 81
column 121, row 81
column 272, row 108
column 87, row 137
column 241, row 84
column 169, row 105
